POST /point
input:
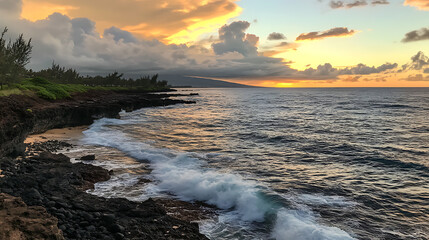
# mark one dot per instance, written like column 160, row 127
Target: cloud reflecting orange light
column 420, row 4
column 170, row 21
column 35, row 10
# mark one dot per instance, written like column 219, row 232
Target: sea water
column 282, row 163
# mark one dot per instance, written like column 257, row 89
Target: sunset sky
column 272, row 43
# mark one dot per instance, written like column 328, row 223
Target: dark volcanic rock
column 18, row 221
column 54, row 188
column 56, row 184
column 50, row 146
column 88, row 158
column 17, row 121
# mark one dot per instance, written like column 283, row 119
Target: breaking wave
column 187, row 177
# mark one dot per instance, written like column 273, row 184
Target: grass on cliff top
column 48, row 90
column 52, row 91
column 12, row 91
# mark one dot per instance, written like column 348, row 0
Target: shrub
column 39, row 81
column 57, row 91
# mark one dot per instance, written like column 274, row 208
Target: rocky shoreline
column 43, row 194
column 23, row 115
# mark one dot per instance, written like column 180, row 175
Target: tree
column 14, row 56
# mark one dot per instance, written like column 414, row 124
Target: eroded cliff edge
column 55, row 188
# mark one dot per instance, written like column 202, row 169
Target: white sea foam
column 293, row 224
column 185, row 175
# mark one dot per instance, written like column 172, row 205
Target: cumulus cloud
column 328, row 71
column 420, row 4
column 120, row 35
column 74, row 42
column 276, row 36
column 362, row 69
column 334, row 32
column 417, row 35
column 417, row 62
column 234, row 39
column 10, row 7
column 234, row 54
column 356, row 3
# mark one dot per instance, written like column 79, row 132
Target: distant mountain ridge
column 182, row 81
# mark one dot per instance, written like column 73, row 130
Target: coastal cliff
column 23, row 115
column 47, row 185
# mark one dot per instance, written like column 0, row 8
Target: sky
column 271, row 43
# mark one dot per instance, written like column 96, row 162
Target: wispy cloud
column 334, row 32
column 357, row 3
column 416, row 78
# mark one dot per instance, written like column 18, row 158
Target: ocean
column 348, row 163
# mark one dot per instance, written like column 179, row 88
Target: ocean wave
column 187, row 177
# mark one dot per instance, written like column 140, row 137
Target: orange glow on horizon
column 287, row 83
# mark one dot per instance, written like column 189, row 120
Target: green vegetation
column 58, row 82
column 14, row 55
column 6, row 92
column 53, row 91
column 45, row 89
